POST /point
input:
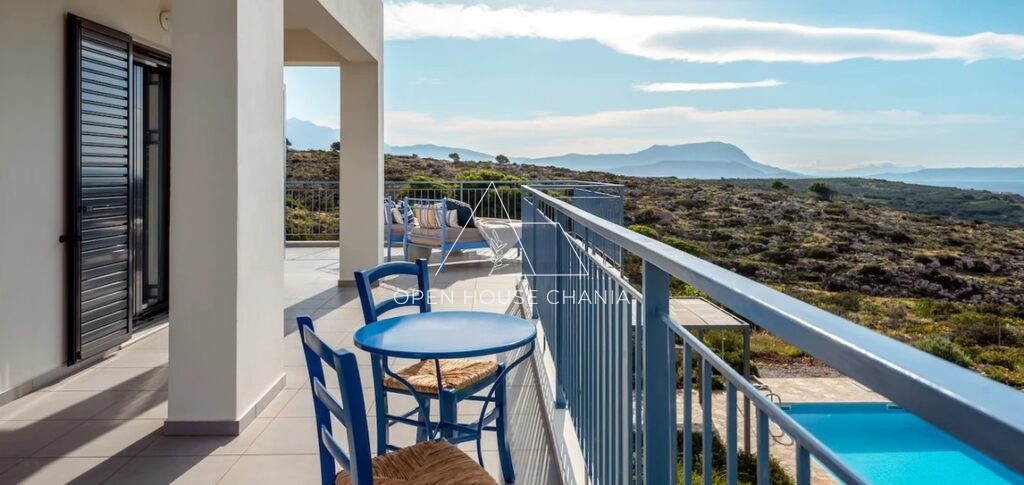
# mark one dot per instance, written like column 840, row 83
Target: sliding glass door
column 151, row 93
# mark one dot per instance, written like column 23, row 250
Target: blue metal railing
column 615, row 357
column 312, row 210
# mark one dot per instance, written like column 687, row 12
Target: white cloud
column 634, row 129
column 695, row 39
column 714, row 86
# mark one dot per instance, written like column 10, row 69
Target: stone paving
column 103, row 425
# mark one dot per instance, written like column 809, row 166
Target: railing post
column 561, row 262
column 660, row 380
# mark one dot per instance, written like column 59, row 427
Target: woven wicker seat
column 458, row 374
column 427, row 463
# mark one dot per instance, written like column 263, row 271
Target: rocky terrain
column 899, row 265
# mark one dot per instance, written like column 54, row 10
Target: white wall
column 227, row 197
column 32, row 294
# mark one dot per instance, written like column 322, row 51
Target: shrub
column 822, row 191
column 434, row 190
column 780, row 257
column 1003, row 357
column 944, row 348
column 934, row 309
column 746, row 466
column 683, row 245
column 846, row 301
column 479, row 174
column 644, row 230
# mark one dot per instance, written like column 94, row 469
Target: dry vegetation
column 883, row 254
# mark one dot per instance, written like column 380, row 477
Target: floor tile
column 105, row 422
column 78, row 471
column 104, row 438
column 278, row 403
column 119, row 379
column 20, row 439
column 283, row 469
column 7, row 463
column 191, row 470
column 286, row 436
column 62, row 405
column 137, row 358
column 155, row 341
column 206, row 445
column 138, row 405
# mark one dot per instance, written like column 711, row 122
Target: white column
column 226, row 230
column 362, row 169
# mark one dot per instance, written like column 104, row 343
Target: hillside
column 691, row 169
column 691, row 160
column 972, row 205
column 952, row 286
column 305, row 135
column 437, row 152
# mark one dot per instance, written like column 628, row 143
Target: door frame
column 142, row 318
column 72, row 236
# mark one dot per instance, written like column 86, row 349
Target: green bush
column 434, row 190
column 944, row 348
column 846, row 301
column 746, row 464
column 934, row 309
column 480, row 174
column 1003, row 357
column 683, row 245
column 644, row 230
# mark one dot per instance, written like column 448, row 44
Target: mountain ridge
column 687, row 160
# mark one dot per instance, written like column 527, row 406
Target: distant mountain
column 306, row 135
column 692, row 170
column 871, row 170
column 964, row 173
column 438, row 152
column 995, row 179
column 692, row 160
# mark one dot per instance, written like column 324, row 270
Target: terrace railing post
column 746, row 400
column 561, row 272
column 659, row 380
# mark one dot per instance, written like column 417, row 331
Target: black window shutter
column 99, row 77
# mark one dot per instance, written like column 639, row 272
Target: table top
column 445, row 335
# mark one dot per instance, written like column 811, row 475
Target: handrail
column 801, row 435
column 983, row 413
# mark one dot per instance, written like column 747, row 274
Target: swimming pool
column 886, row 444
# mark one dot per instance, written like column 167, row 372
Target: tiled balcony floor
column 103, row 425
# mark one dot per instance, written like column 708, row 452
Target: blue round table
column 445, row 335
column 450, row 335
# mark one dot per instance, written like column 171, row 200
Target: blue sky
column 797, row 84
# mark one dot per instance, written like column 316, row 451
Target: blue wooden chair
column 426, row 462
column 393, row 235
column 461, row 379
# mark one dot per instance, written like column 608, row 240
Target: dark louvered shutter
column 99, row 86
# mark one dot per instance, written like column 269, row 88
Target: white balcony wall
column 33, row 347
column 226, row 236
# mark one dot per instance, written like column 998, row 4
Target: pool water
column 886, row 444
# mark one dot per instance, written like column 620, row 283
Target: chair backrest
column 366, row 278
column 389, row 218
column 350, row 410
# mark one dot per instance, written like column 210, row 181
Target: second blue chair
column 462, row 379
column 431, row 462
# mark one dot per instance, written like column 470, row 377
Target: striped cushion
column 428, row 216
